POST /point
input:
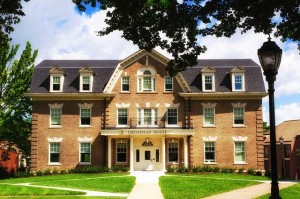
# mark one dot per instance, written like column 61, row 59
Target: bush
column 251, row 171
column 3, row 172
column 207, row 168
column 170, row 169
column 63, row 172
column 47, row 172
column 22, row 174
column 39, row 173
column 54, row 172
column 216, row 169
column 119, row 168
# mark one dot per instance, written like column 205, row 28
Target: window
column 209, row 152
column 239, row 152
column 172, row 116
column 173, row 152
column 208, row 83
column 85, row 117
column 55, row 117
column 238, row 116
column 147, row 117
column 85, row 152
column 121, row 152
column 85, row 83
column 54, row 156
column 122, row 117
column 238, row 82
column 56, row 84
column 168, row 83
column 146, row 80
column 209, row 116
column 125, row 84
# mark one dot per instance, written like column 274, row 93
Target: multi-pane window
column 85, row 152
column 209, row 152
column 147, row 117
column 85, row 116
column 56, row 84
column 168, row 83
column 208, row 82
column 86, row 83
column 55, row 118
column 125, row 83
column 121, row 152
column 173, row 151
column 147, row 82
column 209, row 116
column 122, row 117
column 172, row 116
column 54, row 153
column 238, row 116
column 238, row 82
column 239, row 152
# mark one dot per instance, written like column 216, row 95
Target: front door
column 147, row 159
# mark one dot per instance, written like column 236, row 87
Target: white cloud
column 287, row 112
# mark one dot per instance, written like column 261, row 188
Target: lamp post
column 270, row 56
column 281, row 140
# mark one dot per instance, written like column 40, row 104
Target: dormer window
column 208, row 79
column 56, row 79
column 146, row 79
column 238, row 79
column 86, row 80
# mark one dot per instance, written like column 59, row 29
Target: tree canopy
column 176, row 26
column 15, row 107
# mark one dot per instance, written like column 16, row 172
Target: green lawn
column 108, row 182
column 291, row 192
column 203, row 185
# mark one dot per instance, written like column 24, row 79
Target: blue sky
column 59, row 31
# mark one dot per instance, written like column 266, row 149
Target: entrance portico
column 148, row 149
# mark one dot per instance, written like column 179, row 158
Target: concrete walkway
column 250, row 192
column 146, row 186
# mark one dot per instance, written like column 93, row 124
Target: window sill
column 209, row 126
column 84, row 163
column 240, row 163
column 85, row 126
column 122, row 126
column 54, row 164
column 125, row 92
column 208, row 91
column 147, row 92
column 172, row 126
column 168, row 92
column 239, row 126
column 55, row 127
column 210, row 163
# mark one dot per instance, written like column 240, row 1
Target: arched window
column 146, row 79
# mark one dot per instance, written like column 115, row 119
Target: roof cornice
column 224, row 96
column 69, row 96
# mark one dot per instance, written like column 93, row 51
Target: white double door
column 149, row 158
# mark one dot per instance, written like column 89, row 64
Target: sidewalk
column 250, row 192
column 146, row 186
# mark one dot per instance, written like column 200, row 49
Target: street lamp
column 281, row 140
column 270, row 56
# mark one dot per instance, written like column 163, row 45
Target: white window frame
column 61, row 82
column 234, row 75
column 83, row 125
column 126, row 152
column 204, row 116
column 172, row 125
column 209, row 161
column 238, row 125
column 141, row 117
column 165, row 83
column 90, row 76
column 122, row 83
column 80, row 152
column 55, row 125
column 141, row 76
column 122, row 125
column 49, row 155
column 212, row 75
column 244, row 152
column 178, row 150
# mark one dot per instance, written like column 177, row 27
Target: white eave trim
column 228, row 95
column 69, row 96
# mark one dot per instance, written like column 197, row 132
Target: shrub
column 195, row 169
column 47, row 172
column 170, row 169
column 207, row 168
column 54, row 172
column 39, row 173
column 3, row 172
column 216, row 169
column 119, row 168
column 22, row 174
column 241, row 170
column 251, row 171
column 63, row 172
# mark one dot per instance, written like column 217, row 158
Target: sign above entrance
column 145, row 132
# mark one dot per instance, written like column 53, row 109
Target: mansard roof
column 104, row 71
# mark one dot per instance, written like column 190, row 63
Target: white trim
column 85, row 106
column 55, row 106
column 214, row 117
column 55, row 139
column 210, row 162
column 239, row 138
column 172, row 105
column 50, row 119
column 122, row 105
column 172, row 125
column 210, row 138
column 233, row 76
column 84, row 142
column 241, row 162
column 238, row 105
column 117, row 122
column 85, row 139
column 90, row 83
column 238, row 125
column 61, row 82
column 209, row 105
column 212, row 75
column 85, row 125
column 49, row 151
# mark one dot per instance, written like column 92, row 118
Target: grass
column 204, row 185
column 108, row 182
column 291, row 192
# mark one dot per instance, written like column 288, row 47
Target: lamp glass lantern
column 281, row 140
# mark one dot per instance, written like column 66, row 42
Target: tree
column 10, row 13
column 15, row 107
column 176, row 26
column 266, row 128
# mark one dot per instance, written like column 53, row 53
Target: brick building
column 131, row 112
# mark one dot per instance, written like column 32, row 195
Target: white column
column 185, row 152
column 163, row 149
column 131, row 154
column 109, row 153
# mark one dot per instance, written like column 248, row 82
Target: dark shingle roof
column 104, row 69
